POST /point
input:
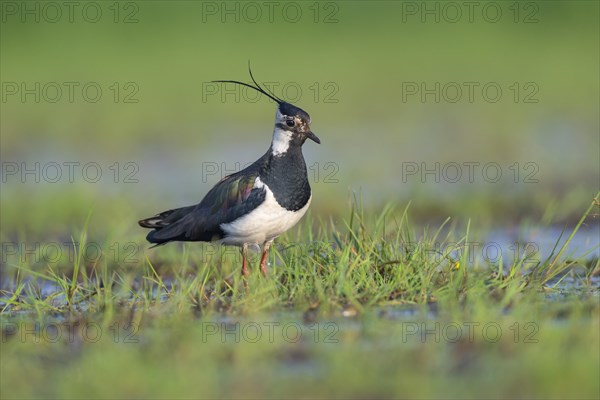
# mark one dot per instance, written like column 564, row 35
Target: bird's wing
column 229, row 194
column 233, row 196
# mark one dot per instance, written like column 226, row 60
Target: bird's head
column 294, row 121
column 292, row 124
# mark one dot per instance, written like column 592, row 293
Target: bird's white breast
column 264, row 223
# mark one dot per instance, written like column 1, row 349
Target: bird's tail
column 167, row 226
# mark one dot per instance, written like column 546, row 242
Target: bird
column 254, row 206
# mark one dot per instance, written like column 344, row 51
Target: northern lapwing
column 252, row 206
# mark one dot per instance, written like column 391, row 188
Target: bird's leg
column 245, row 271
column 263, row 260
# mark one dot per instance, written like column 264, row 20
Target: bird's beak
column 313, row 137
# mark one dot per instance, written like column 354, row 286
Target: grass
column 369, row 306
column 363, row 260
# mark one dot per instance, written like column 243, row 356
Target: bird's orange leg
column 263, row 260
column 245, row 271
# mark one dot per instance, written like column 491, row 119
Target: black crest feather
column 257, row 87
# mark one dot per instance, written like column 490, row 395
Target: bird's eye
column 290, row 122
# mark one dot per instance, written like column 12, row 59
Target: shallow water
column 527, row 240
column 530, row 245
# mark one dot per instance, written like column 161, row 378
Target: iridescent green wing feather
column 229, row 194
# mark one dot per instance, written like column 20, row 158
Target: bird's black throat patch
column 286, row 176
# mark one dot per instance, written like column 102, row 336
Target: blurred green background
column 354, row 63
column 380, row 80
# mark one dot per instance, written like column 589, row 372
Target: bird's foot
column 263, row 267
column 263, row 259
column 263, row 263
column 245, row 271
